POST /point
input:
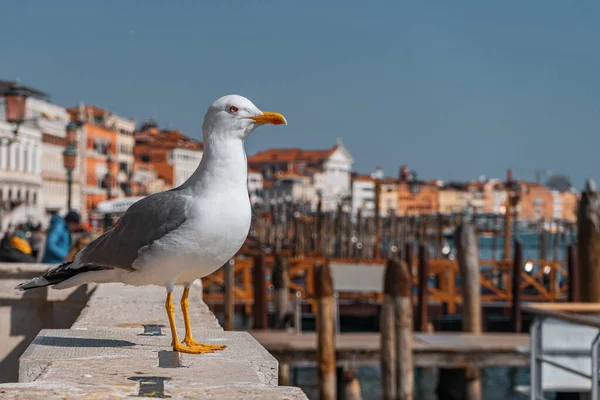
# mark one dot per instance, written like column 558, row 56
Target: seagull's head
column 235, row 117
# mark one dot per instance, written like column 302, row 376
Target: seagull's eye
column 233, row 109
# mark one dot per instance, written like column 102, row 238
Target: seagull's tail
column 49, row 278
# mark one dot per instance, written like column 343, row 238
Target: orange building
column 569, row 202
column 173, row 156
column 102, row 131
column 536, row 202
column 412, row 202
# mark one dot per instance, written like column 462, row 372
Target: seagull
column 177, row 236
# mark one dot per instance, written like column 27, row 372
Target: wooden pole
column 259, row 278
column 508, row 215
column 516, row 287
column 495, row 237
column 229, row 300
column 440, row 235
column 339, row 232
column 377, row 253
column 281, row 284
column 325, row 332
column 588, row 221
column 408, row 256
column 319, row 239
column 467, row 253
column 388, row 341
column 403, row 321
column 284, row 374
column 423, row 301
column 573, row 271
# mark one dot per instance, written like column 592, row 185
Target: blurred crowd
column 27, row 243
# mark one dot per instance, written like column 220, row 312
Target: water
column 497, row 383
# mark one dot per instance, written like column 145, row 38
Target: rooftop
column 292, row 155
column 166, row 139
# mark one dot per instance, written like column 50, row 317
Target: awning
column 117, row 205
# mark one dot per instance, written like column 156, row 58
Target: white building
column 255, row 185
column 363, row 195
column 125, row 143
column 52, row 120
column 21, row 161
column 291, row 187
column 20, row 165
column 329, row 171
column 557, row 204
column 184, row 161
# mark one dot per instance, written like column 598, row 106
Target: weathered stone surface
column 64, row 390
column 115, row 305
column 109, row 351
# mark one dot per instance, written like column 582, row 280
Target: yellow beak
column 270, row 118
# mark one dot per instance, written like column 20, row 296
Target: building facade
column 52, row 120
column 21, row 162
column 363, row 195
column 174, row 157
column 20, row 167
column 101, row 132
column 329, row 171
column 453, row 198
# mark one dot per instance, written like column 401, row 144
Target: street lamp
column 15, row 101
column 108, row 176
column 70, row 159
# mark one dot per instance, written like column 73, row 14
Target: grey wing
column 146, row 221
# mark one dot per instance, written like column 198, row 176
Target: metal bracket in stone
column 151, row 386
column 168, row 359
column 153, row 330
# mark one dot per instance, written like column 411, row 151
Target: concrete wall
column 24, row 314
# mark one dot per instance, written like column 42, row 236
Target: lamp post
column 15, row 101
column 108, row 177
column 70, row 159
column 513, row 196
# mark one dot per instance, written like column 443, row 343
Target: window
column 123, row 166
column 101, row 146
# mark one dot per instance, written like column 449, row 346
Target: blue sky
column 454, row 89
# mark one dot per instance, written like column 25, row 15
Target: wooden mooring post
column 388, row 336
column 229, row 305
column 281, row 299
column 516, row 317
column 325, row 332
column 465, row 384
column 588, row 230
column 259, row 281
column 573, row 271
column 423, row 298
column 403, row 329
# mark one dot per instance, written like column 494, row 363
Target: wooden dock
column 444, row 350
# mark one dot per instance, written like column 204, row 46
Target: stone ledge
column 62, row 390
column 107, row 354
column 62, row 355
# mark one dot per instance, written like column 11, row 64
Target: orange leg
column 189, row 340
